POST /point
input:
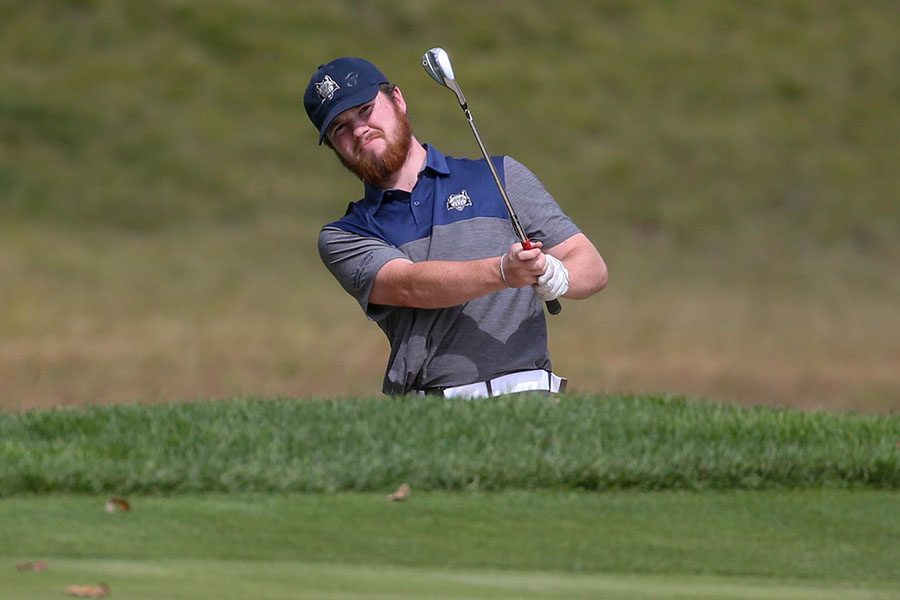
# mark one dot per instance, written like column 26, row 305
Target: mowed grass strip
column 583, row 442
column 748, row 544
column 814, row 534
column 224, row 580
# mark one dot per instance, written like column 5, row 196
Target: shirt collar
column 435, row 162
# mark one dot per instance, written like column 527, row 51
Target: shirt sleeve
column 355, row 260
column 542, row 218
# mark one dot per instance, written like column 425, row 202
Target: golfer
column 429, row 251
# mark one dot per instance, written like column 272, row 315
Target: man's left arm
column 544, row 221
column 587, row 270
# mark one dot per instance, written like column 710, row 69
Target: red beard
column 377, row 169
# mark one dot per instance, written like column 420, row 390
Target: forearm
column 587, row 274
column 436, row 283
column 587, row 270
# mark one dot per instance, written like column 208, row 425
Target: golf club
column 437, row 64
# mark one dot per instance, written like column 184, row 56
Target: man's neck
column 405, row 178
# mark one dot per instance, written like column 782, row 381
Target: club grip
column 553, row 306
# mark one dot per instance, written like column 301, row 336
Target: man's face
column 372, row 140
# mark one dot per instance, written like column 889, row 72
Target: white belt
column 536, row 380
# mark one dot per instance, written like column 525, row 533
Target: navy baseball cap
column 341, row 84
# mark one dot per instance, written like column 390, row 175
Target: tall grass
column 686, row 121
column 592, row 443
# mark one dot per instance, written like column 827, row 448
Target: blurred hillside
column 160, row 190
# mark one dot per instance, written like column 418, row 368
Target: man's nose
column 360, row 128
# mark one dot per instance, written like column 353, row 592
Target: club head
column 437, row 64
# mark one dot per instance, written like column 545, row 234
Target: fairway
column 225, row 579
column 810, row 544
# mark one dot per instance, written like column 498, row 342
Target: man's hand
column 555, row 280
column 520, row 267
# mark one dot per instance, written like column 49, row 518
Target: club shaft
column 553, row 306
column 437, row 65
column 517, row 226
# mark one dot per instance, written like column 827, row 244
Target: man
column 429, row 252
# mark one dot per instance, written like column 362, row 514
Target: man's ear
column 399, row 101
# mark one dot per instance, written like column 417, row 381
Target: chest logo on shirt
column 459, row 201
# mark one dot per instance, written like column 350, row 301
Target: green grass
column 812, row 544
column 583, row 442
column 160, row 190
column 225, row 579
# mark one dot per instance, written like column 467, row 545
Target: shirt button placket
column 416, row 211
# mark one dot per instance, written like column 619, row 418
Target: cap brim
column 360, row 96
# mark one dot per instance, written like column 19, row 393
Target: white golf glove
column 554, row 282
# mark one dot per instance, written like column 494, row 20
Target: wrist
column 503, row 273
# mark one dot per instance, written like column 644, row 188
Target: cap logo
column 326, row 88
column 459, row 201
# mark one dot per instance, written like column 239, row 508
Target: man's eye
column 365, row 109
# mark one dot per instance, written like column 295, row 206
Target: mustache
column 358, row 147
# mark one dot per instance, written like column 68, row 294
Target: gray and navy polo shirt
column 454, row 212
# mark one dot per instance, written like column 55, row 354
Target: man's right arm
column 442, row 283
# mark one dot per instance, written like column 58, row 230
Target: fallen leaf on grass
column 115, row 504
column 402, row 493
column 88, row 591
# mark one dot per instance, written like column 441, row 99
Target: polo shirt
column 454, row 212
